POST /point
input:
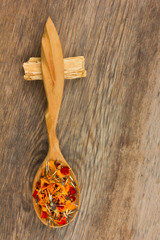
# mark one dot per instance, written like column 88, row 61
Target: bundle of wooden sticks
column 74, row 67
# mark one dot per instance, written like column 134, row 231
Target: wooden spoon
column 53, row 79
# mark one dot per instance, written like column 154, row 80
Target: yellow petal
column 43, row 181
column 44, row 209
column 52, row 166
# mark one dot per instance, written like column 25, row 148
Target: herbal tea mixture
column 55, row 194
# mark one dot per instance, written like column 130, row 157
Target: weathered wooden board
column 108, row 124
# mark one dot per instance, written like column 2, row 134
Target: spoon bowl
column 59, row 156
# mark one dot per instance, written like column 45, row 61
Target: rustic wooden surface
column 108, row 125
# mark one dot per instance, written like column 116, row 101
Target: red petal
column 45, row 185
column 60, row 207
column 72, row 190
column 35, row 194
column 38, row 184
column 72, row 198
column 63, row 221
column 65, row 170
column 44, row 215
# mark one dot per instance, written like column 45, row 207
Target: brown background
column 109, row 123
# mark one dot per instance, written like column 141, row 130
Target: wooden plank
column 108, row 124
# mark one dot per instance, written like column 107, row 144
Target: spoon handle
column 53, row 79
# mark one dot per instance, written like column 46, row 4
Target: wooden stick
column 74, row 67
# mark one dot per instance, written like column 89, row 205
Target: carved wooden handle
column 53, row 79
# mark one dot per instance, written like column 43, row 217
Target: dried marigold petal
column 43, row 181
column 60, row 208
column 44, row 209
column 52, row 166
column 45, row 184
column 44, row 214
column 72, row 190
column 38, row 184
column 62, row 221
column 35, row 194
column 73, row 198
column 65, row 170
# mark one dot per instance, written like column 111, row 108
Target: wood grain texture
column 108, row 124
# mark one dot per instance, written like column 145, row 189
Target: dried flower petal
column 35, row 194
column 38, row 184
column 44, row 214
column 65, row 170
column 60, row 208
column 73, row 198
column 72, row 190
column 62, row 221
